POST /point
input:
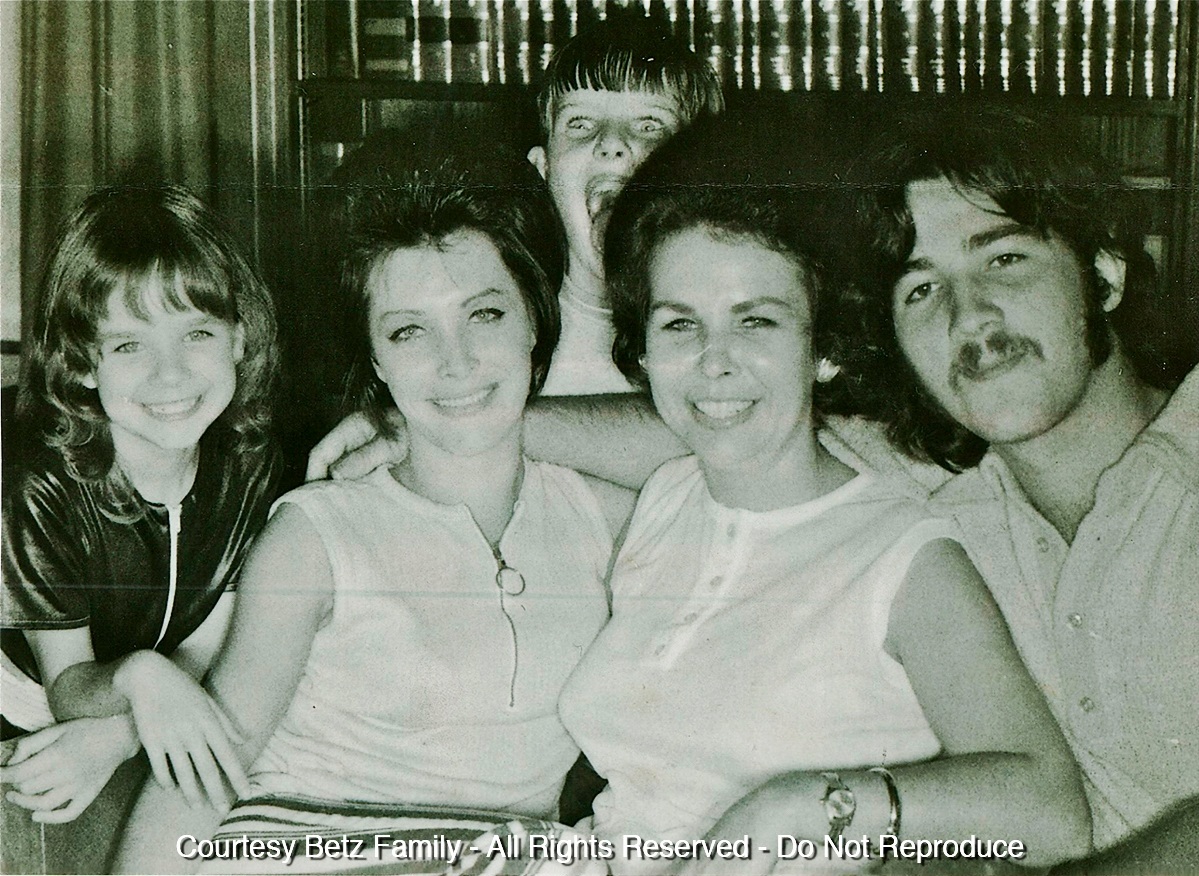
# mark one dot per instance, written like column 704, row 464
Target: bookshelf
column 1127, row 70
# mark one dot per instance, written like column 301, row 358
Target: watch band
column 840, row 804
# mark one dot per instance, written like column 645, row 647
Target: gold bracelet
column 893, row 796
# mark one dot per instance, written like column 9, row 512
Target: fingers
column 185, row 777
column 230, row 729
column 43, row 802
column 32, row 743
column 364, row 460
column 159, row 765
column 230, row 764
column 62, row 816
column 210, row 780
column 350, row 434
column 32, row 774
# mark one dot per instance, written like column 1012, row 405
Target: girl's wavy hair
column 501, row 197
column 1040, row 175
column 728, row 178
column 116, row 241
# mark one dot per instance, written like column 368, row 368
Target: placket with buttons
column 722, row 563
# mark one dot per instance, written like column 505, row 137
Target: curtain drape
column 114, row 92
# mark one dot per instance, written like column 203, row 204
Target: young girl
column 151, row 365
column 400, row 640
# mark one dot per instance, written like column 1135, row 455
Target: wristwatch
column 839, row 805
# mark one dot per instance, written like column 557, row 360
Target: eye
column 678, row 324
column 651, row 126
column 487, row 314
column 127, row 347
column 404, row 333
column 200, row 335
column 1007, row 259
column 757, row 322
column 579, row 125
column 916, row 293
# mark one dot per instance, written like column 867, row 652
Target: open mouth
column 724, row 412
column 601, row 194
column 174, row 410
column 464, row 402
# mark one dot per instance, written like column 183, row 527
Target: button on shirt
column 1108, row 625
column 744, row 645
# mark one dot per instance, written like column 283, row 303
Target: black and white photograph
column 585, row 437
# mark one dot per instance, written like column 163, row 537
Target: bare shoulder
column 287, row 555
column 942, row 593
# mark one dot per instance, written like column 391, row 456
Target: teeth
column 172, row 409
column 722, row 410
column 462, row 401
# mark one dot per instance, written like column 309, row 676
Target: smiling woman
column 400, row 641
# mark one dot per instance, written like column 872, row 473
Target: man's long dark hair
column 1041, row 176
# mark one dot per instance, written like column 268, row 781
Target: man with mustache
column 1009, row 331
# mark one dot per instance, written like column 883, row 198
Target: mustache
column 974, row 358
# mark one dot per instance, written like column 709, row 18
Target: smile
column 175, row 410
column 724, row 412
column 458, row 403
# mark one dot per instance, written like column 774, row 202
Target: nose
column 613, row 144
column 972, row 309
column 170, row 365
column 457, row 357
column 716, row 358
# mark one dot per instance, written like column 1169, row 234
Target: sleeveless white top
column 743, row 645
column 415, row 691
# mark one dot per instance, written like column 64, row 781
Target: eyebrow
column 981, row 240
column 579, row 106
column 202, row 319
column 740, row 307
column 469, row 302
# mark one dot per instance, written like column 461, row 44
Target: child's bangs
column 617, row 71
column 185, row 284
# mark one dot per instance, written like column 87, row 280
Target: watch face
column 841, row 803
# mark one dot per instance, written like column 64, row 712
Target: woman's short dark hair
column 116, row 240
column 725, row 177
column 1041, row 176
column 501, row 197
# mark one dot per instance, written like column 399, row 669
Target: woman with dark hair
column 796, row 647
column 401, row 640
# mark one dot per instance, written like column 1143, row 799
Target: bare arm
column 285, row 594
column 107, row 712
column 1005, row 771
column 77, row 686
column 618, row 438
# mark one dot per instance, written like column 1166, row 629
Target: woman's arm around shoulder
column 1006, row 770
column 285, row 595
